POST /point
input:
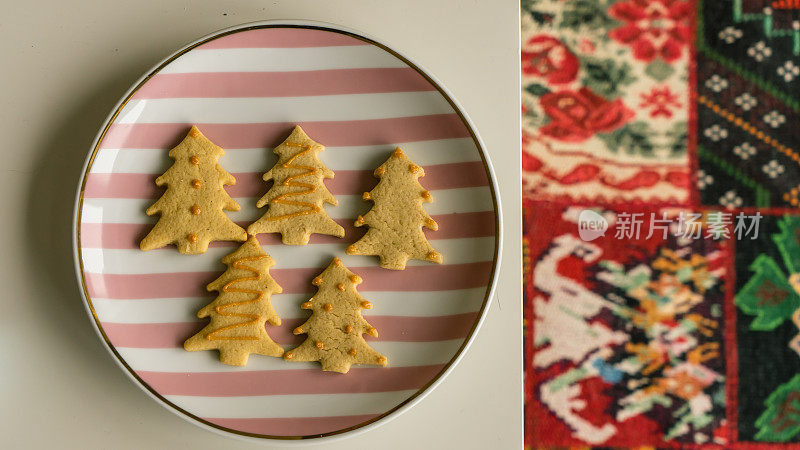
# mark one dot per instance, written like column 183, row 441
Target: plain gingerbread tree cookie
column 192, row 207
column 336, row 325
column 240, row 313
column 396, row 220
column 295, row 201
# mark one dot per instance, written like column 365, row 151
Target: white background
column 66, row 64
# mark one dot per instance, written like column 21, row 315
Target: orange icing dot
column 433, row 256
column 348, row 329
column 382, row 359
column 297, row 330
column 413, row 168
column 194, row 132
column 196, row 210
column 426, row 195
column 317, row 281
column 306, row 305
column 352, row 352
column 359, row 220
column 340, row 286
column 397, row 152
column 355, row 279
column 337, row 261
column 366, row 196
column 372, row 331
column 197, row 184
column 320, row 345
column 194, row 160
column 288, row 355
column 351, row 249
column 328, row 307
column 380, row 171
column 192, row 237
column 366, row 305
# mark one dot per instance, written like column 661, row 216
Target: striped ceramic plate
column 246, row 88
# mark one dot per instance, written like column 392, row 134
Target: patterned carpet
column 661, row 182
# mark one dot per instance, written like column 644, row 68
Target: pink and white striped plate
column 246, row 88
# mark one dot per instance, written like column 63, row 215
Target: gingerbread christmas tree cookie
column 192, row 207
column 336, row 326
column 240, row 312
column 295, row 201
column 396, row 220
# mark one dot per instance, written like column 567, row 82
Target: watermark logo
column 591, row 225
column 685, row 225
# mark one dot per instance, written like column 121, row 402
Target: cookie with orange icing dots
column 336, row 325
column 242, row 309
column 295, row 200
column 397, row 219
column 192, row 207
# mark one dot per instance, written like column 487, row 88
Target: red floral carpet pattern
column 661, row 107
column 606, row 100
column 626, row 339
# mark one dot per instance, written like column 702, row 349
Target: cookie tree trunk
column 240, row 312
column 396, row 220
column 336, row 326
column 192, row 207
column 298, row 193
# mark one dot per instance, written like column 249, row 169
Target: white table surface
column 65, row 65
